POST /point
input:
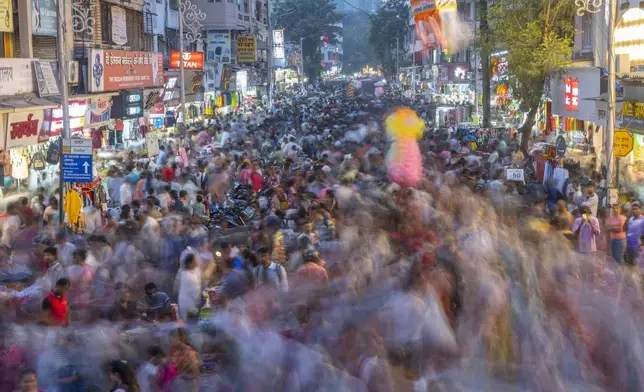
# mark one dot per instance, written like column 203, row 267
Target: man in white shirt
column 290, row 150
column 591, row 200
column 125, row 193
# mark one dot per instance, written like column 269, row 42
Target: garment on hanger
column 73, row 205
column 19, row 165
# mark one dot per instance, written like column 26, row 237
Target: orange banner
column 191, row 60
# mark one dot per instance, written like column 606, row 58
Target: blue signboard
column 77, row 168
column 43, row 17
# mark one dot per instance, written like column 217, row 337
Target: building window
column 106, row 22
column 258, row 10
column 174, row 5
column 586, row 31
column 139, row 32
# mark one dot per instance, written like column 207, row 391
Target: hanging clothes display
column 97, row 138
column 19, row 164
column 73, row 205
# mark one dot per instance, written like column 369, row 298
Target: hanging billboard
column 219, row 47
column 112, row 70
column 191, row 60
column 246, row 49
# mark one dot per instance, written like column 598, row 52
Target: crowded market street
column 327, row 244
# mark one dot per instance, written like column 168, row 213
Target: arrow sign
column 77, row 160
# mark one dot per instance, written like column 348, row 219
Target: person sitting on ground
column 154, row 305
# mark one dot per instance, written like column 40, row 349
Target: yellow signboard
column 622, row 143
column 246, row 49
column 6, row 16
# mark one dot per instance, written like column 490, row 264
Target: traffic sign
column 77, row 160
column 622, row 143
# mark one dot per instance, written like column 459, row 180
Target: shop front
column 25, row 124
column 574, row 109
column 194, row 96
column 631, row 118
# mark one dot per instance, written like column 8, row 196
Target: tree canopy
column 355, row 35
column 309, row 20
column 389, row 23
column 538, row 35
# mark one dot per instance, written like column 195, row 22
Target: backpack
column 278, row 271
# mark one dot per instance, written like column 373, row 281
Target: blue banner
column 43, row 17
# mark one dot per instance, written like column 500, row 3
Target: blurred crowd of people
column 270, row 251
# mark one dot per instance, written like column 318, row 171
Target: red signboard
column 571, row 94
column 113, row 70
column 191, row 60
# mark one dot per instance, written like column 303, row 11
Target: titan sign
column 191, row 60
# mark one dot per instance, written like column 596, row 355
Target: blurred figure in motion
column 122, row 377
column 586, row 229
column 186, row 360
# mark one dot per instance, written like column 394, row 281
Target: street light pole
column 302, row 55
column 595, row 7
column 397, row 55
column 612, row 94
column 182, row 85
column 62, row 70
column 270, row 56
column 190, row 17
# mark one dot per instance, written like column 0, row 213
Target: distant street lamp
column 190, row 17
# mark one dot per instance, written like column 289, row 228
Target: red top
column 167, row 174
column 58, row 309
column 257, row 180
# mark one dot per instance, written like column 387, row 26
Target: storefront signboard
column 98, row 111
column 45, row 79
column 43, row 17
column 633, row 115
column 25, row 128
column 119, row 26
column 77, row 110
column 246, row 49
column 622, row 143
column 112, row 70
column 191, row 60
column 219, row 47
column 16, row 76
column 571, row 94
column 6, row 16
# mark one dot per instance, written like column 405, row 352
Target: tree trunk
column 526, row 128
column 485, row 64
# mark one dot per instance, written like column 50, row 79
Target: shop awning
column 603, row 98
column 21, row 104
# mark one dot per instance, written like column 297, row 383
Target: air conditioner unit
column 622, row 63
column 72, row 72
